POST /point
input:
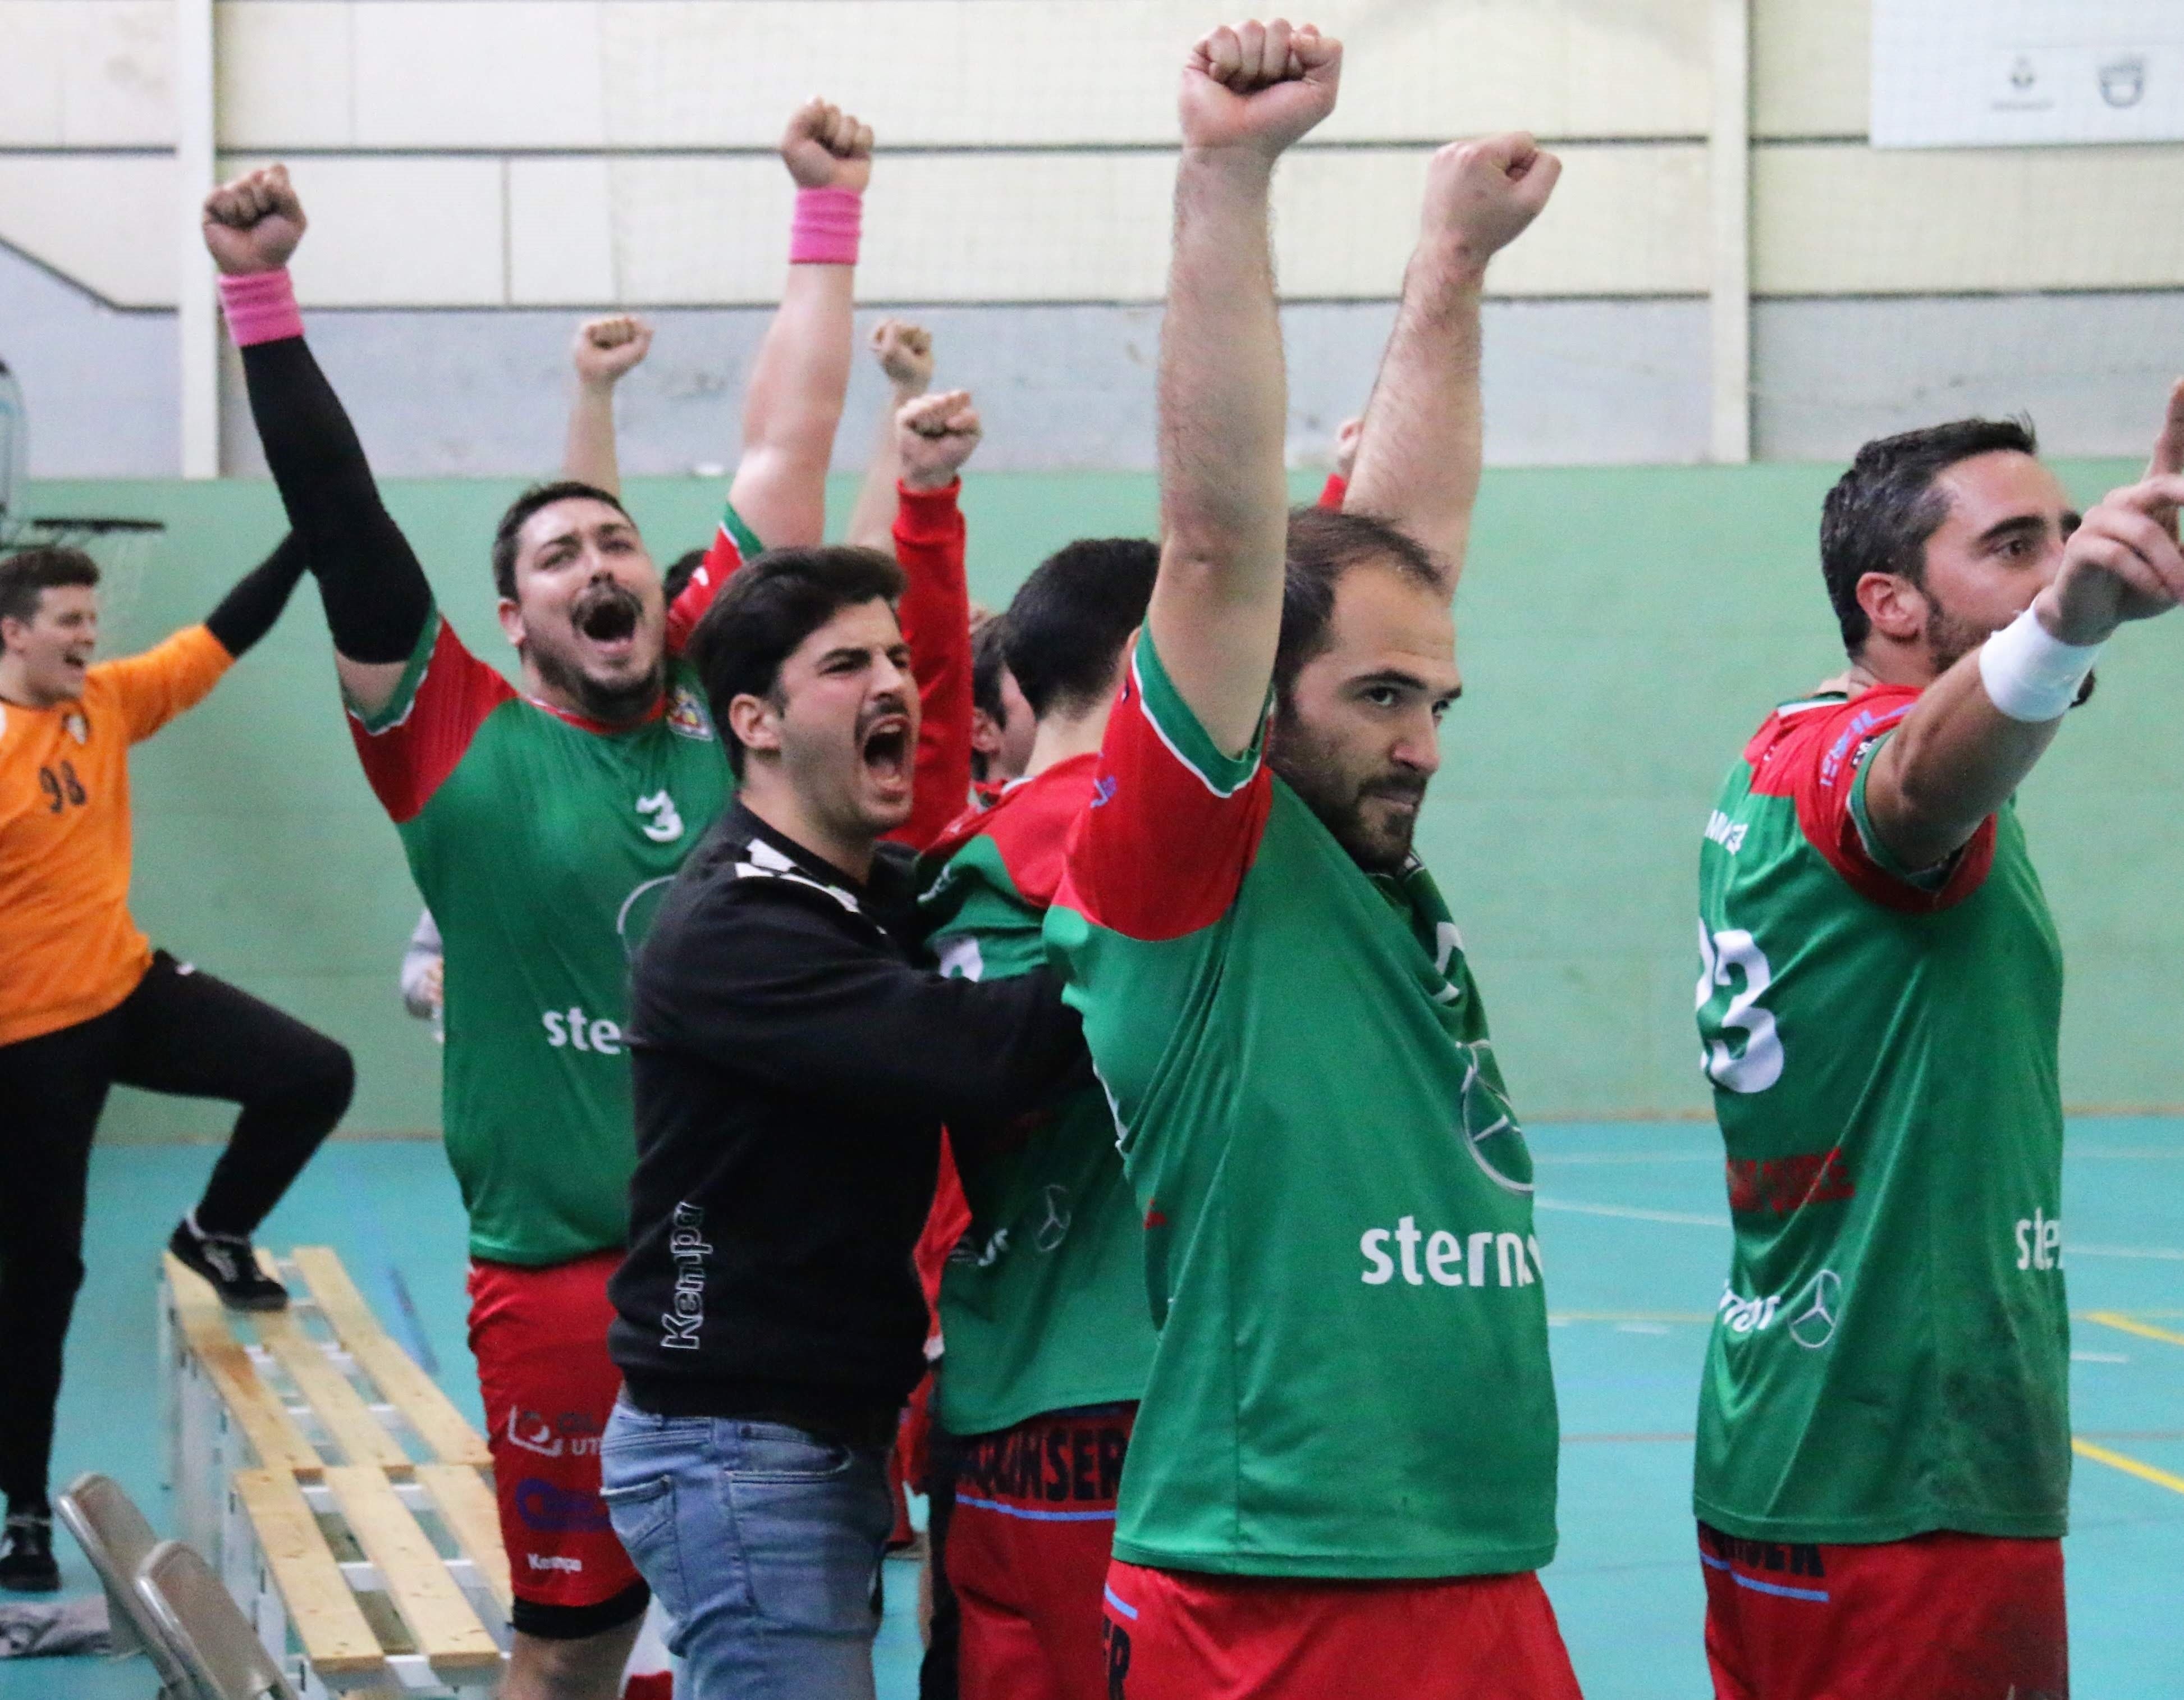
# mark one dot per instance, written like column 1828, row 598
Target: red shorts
column 540, row 1338
column 1177, row 1635
column 1027, row 1550
column 1940, row 1617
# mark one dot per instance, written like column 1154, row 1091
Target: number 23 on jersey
column 1740, row 1049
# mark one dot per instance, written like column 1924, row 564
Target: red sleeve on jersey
column 409, row 758
column 1332, row 493
column 1160, row 849
column 713, row 572
column 1814, row 758
column 936, row 624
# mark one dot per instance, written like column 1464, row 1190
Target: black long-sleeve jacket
column 792, row 1066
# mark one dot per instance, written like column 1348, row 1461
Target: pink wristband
column 824, row 231
column 260, row 307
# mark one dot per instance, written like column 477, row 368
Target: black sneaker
column 26, row 1554
column 228, row 1260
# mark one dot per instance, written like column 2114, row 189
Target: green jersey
column 1042, row 1305
column 1351, row 1375
column 542, row 843
column 1891, row 1353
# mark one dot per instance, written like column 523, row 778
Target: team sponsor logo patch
column 1809, row 1314
column 1781, row 1186
column 687, row 716
column 554, row 1510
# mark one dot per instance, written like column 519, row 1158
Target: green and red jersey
column 1042, row 1303
column 1891, row 1353
column 1351, row 1379
column 543, row 842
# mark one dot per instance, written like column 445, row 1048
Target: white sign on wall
column 1987, row 73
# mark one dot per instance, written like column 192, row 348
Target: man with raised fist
column 1883, row 1465
column 605, row 351
column 1341, row 1479
column 543, row 827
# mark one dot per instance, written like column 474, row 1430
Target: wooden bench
column 313, row 1463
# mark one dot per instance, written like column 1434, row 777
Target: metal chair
column 220, row 1650
column 116, row 1539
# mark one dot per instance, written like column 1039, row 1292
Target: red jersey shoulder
column 1029, row 825
column 410, row 757
column 1811, row 753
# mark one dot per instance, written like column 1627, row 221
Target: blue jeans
column 764, row 1544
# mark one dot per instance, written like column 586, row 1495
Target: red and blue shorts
column 1939, row 1617
column 1028, row 1549
column 540, row 1339
column 1179, row 1634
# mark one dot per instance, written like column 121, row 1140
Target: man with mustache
column 794, row 1062
column 542, row 826
column 1883, row 1436
column 1341, row 1479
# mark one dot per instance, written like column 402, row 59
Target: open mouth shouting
column 606, row 616
column 884, row 747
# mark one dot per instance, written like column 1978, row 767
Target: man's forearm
column 1955, row 760
column 1216, row 612
column 793, row 406
column 248, row 611
column 589, row 457
column 1418, row 458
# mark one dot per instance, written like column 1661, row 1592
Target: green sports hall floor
column 1636, row 1237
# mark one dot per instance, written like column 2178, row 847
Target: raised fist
column 1258, row 87
column 826, row 147
column 905, row 352
column 934, row 435
column 1481, row 195
column 2122, row 562
column 607, row 349
column 253, row 223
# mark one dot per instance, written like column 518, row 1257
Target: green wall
column 1624, row 630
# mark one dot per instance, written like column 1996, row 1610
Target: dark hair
column 680, row 572
column 988, row 661
column 519, row 514
column 1881, row 513
column 1324, row 543
column 774, row 602
column 24, row 578
column 1068, row 622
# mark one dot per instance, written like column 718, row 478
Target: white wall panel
column 1846, row 220
column 1809, row 67
column 99, row 219
column 398, row 233
column 33, row 37
column 561, row 232
column 119, row 90
column 286, row 74
column 477, row 74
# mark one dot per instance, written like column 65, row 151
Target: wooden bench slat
column 407, row 1387
column 256, row 1408
column 335, row 1637
column 339, row 1406
column 466, row 1504
column 448, row 1631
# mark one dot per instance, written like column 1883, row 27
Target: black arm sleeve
column 247, row 611
column 781, row 992
column 377, row 599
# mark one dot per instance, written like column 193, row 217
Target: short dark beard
column 609, row 704
column 1307, row 767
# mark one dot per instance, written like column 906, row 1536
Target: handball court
column 1635, row 1236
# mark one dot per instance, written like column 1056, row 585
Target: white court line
column 1631, row 1213
column 1544, row 1158
column 2166, row 1254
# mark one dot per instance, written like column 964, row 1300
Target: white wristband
column 2031, row 676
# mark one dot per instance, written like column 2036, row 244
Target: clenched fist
column 826, row 147
column 905, row 352
column 934, row 435
column 607, row 349
column 253, row 223
column 1481, row 196
column 1258, row 87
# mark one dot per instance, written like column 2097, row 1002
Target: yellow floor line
column 2159, row 1478
column 2145, row 1330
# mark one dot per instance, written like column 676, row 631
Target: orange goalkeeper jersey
column 69, row 950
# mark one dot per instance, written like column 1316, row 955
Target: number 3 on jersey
column 1742, row 1050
